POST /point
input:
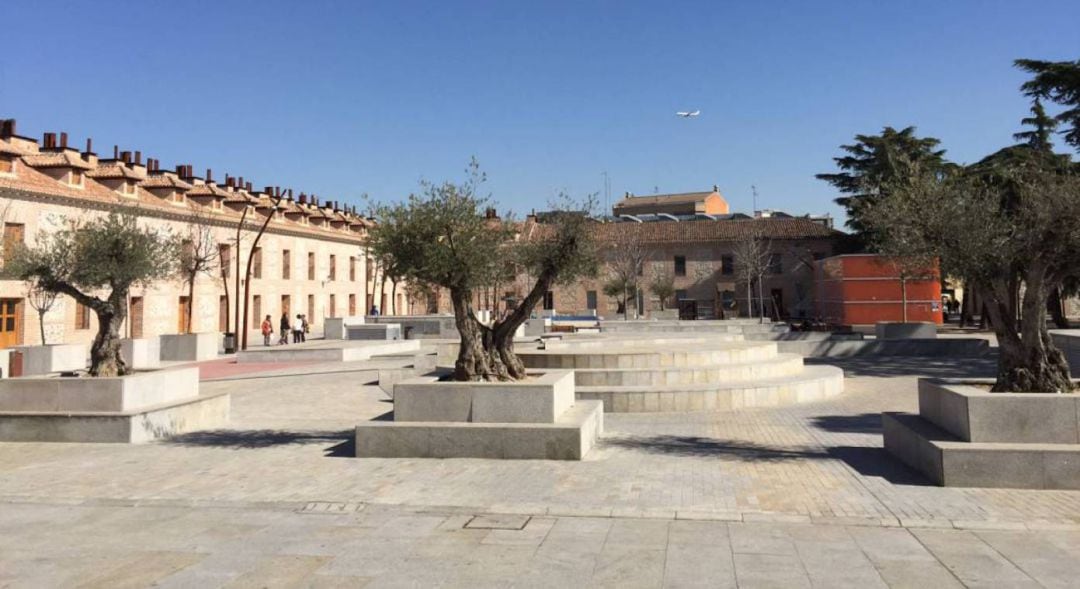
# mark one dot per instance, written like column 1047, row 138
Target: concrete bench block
column 541, row 399
column 977, row 415
column 910, row 330
column 189, row 347
column 53, row 359
column 383, row 331
column 141, row 353
column 122, row 393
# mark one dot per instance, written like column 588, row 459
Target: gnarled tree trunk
column 1029, row 362
column 105, row 356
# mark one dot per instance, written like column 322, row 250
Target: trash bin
column 230, row 343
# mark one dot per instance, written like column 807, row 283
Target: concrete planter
column 5, row 363
column 141, row 354
column 1068, row 341
column 382, row 331
column 537, row 418
column 128, row 409
column 966, row 436
column 337, row 327
column 190, row 347
column 40, row 360
column 920, row 330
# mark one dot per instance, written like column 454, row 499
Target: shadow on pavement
column 257, row 438
column 886, row 366
column 862, row 423
column 867, row 461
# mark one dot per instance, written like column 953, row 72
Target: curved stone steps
column 777, row 366
column 812, row 383
column 636, row 357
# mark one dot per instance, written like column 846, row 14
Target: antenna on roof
column 753, row 189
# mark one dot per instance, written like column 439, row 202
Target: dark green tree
column 96, row 263
column 443, row 238
column 1042, row 128
column 1058, row 81
column 876, row 162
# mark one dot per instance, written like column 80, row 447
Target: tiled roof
column 114, row 170
column 703, row 231
column 9, row 149
column 207, row 190
column 57, row 159
column 164, row 181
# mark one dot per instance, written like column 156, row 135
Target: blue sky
column 347, row 98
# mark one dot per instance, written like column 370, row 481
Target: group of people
column 299, row 329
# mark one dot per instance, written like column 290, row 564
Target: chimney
column 230, row 181
column 7, row 128
column 89, row 146
column 89, row 156
column 116, row 152
column 303, row 198
column 138, row 158
column 63, row 140
column 247, row 187
column 125, row 156
column 209, row 175
column 48, row 141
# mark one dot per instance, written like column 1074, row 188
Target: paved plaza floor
column 788, row 497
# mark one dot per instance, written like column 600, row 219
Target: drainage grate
column 330, row 507
column 498, row 522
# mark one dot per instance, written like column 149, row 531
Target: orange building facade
column 863, row 289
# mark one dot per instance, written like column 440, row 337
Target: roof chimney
column 303, row 198
column 209, row 175
column 63, row 140
column 230, row 181
column 7, row 128
column 89, row 145
column 48, row 141
column 247, row 187
column 125, row 156
column 116, row 152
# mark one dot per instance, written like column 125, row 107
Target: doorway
column 10, row 322
column 136, row 317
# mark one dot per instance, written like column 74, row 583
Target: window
column 680, row 265
column 680, row 294
column 590, row 299
column 352, row 268
column 549, row 301
column 333, row 306
column 75, row 178
column 183, row 315
column 14, row 234
column 286, row 264
column 82, row 316
column 256, row 263
column 286, row 305
column 310, row 308
column 223, row 313
column 311, row 266
column 352, row 305
column 256, row 312
column 333, row 267
column 776, row 264
column 225, row 259
column 727, row 265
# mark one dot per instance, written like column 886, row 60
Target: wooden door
column 10, row 322
column 135, row 315
column 183, row 306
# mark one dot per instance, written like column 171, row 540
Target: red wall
column 864, row 289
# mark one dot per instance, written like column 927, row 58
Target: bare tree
column 751, row 255
column 662, row 284
column 41, row 300
column 198, row 254
column 625, row 264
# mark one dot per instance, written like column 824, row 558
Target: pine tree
column 1058, row 81
column 1042, row 127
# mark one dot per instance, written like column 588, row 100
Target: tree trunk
column 1028, row 360
column 105, row 356
column 903, row 299
column 761, row 302
column 190, row 304
column 41, row 325
column 750, row 298
column 966, row 305
column 1057, row 311
column 393, row 297
column 475, row 359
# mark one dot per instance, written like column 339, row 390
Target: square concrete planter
column 966, row 436
column 189, row 347
column 39, row 360
column 129, row 409
column 536, row 418
column 911, row 330
column 141, row 354
column 379, row 331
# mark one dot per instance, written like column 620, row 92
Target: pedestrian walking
column 267, row 330
column 298, row 329
column 284, row 327
column 304, row 328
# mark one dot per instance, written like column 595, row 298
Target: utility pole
column 753, row 190
column 607, row 193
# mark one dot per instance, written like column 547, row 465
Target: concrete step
column 777, row 366
column 948, row 461
column 812, row 383
column 630, row 357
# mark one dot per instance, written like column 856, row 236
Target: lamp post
column 251, row 255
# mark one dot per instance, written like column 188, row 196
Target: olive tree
column 443, row 238
column 662, row 284
column 1008, row 226
column 96, row 263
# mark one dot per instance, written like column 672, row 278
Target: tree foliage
column 874, row 163
column 1058, row 81
column 96, row 263
column 662, row 284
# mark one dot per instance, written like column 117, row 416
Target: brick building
column 310, row 260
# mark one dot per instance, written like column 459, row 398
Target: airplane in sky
column 688, row 114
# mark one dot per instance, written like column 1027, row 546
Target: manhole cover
column 498, row 522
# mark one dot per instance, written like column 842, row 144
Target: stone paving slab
column 126, row 546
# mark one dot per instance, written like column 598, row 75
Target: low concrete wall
column 53, row 359
column 190, row 347
column 910, row 330
column 1068, row 341
column 421, row 326
column 343, row 352
column 141, row 353
column 122, row 393
column 5, row 363
column 541, row 399
column 977, row 415
column 383, row 331
column 946, row 348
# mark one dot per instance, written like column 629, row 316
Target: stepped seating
column 691, row 373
